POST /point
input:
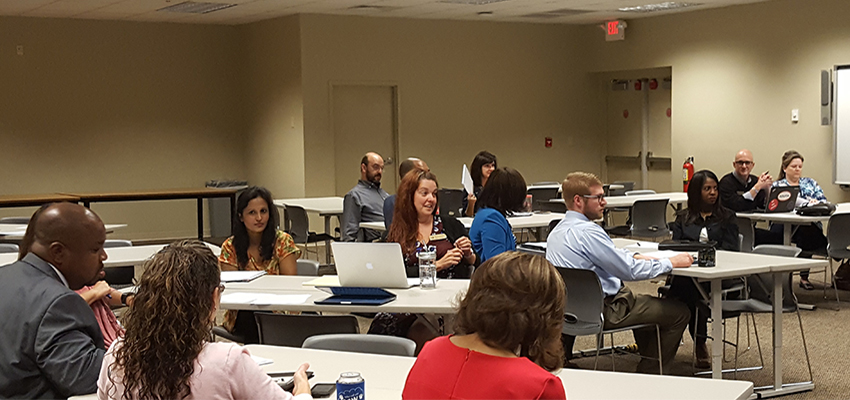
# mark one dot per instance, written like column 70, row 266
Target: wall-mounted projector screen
column 841, row 125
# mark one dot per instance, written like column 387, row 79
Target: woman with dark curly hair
column 508, row 337
column 166, row 354
column 256, row 245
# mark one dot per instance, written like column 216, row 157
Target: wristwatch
column 124, row 297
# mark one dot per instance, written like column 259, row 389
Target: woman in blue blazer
column 490, row 232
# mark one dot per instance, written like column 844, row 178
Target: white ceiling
column 246, row 11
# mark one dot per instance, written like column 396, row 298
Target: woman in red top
column 508, row 340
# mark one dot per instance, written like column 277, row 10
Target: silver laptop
column 379, row 265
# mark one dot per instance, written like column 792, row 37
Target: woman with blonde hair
column 166, row 352
column 508, row 337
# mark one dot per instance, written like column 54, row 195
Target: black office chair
column 451, row 202
column 293, row 330
column 540, row 195
column 298, row 226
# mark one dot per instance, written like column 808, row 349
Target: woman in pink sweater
column 165, row 353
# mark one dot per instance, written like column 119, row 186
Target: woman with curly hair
column 508, row 337
column 256, row 245
column 166, row 354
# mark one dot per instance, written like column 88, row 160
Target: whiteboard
column 841, row 126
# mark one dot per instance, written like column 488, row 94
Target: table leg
column 786, row 234
column 777, row 330
column 716, row 330
column 328, row 242
column 200, row 219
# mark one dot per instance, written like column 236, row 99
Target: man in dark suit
column 52, row 346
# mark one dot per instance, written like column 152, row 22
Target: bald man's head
column 70, row 237
column 743, row 163
column 409, row 165
column 371, row 167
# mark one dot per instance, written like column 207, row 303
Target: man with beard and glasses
column 52, row 345
column 365, row 202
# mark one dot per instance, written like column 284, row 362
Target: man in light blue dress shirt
column 578, row 242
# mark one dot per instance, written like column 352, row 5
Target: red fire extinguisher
column 687, row 172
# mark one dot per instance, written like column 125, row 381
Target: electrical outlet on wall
column 795, row 115
column 19, row 49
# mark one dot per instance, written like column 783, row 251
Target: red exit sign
column 615, row 30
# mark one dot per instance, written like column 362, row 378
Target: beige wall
column 737, row 73
column 115, row 106
column 463, row 87
column 273, row 112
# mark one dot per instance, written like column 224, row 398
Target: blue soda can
column 350, row 386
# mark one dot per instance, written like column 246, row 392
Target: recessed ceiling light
column 665, row 6
column 191, row 7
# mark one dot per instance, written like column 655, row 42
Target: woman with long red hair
column 416, row 225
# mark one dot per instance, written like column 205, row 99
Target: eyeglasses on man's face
column 742, row 163
column 598, row 197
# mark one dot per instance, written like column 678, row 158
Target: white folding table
column 413, row 300
column 791, row 219
column 535, row 221
column 733, row 265
column 385, row 377
column 326, row 207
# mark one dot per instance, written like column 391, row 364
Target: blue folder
column 356, row 296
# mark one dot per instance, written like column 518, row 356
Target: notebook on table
column 368, row 296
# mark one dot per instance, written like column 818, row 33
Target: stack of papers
column 263, row 299
column 262, row 361
column 240, row 276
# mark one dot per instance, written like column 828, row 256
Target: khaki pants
column 624, row 309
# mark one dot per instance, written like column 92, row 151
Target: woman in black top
column 704, row 220
column 482, row 166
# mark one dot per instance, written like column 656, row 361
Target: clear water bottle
column 427, row 267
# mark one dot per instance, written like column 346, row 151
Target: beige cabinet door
column 364, row 119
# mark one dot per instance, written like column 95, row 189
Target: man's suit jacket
column 50, row 343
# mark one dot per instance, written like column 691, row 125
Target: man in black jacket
column 741, row 191
column 52, row 346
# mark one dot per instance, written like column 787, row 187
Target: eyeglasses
column 598, row 197
column 220, row 288
column 743, row 163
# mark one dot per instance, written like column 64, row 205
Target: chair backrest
column 748, row 233
column 649, row 218
column 583, row 311
column 541, row 194
column 761, row 289
column 761, row 285
column 838, row 235
column 8, row 248
column 307, row 267
column 777, row 250
column 545, row 183
column 292, row 330
column 296, row 223
column 627, row 186
column 15, row 220
column 639, row 192
column 356, row 343
column 112, row 243
column 451, row 201
column 553, row 206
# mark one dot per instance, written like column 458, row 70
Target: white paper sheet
column 240, row 276
column 643, row 246
column 662, row 254
column 466, row 179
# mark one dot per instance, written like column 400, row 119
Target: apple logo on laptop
column 369, row 266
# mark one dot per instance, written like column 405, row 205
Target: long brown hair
column 405, row 227
column 169, row 322
column 789, row 156
column 516, row 300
